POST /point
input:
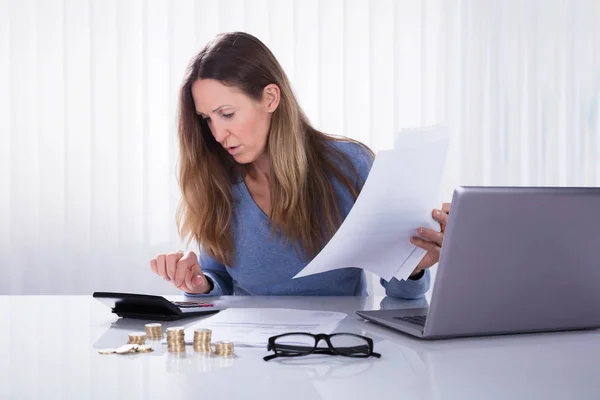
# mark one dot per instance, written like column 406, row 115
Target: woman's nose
column 220, row 133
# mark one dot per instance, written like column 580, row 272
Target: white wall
column 88, row 94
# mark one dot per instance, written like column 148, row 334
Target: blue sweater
column 265, row 266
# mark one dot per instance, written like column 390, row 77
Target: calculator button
column 191, row 304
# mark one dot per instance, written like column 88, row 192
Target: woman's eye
column 227, row 116
column 207, row 120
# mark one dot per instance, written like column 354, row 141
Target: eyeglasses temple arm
column 270, row 357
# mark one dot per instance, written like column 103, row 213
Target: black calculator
column 151, row 307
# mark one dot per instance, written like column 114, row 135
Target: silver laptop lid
column 518, row 260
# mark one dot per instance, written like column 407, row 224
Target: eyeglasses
column 296, row 344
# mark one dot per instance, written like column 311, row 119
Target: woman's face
column 240, row 124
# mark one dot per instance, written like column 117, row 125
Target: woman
column 262, row 190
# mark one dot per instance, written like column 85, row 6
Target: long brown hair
column 304, row 206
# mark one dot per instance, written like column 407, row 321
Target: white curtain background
column 88, row 92
column 520, row 91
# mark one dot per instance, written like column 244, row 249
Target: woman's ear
column 271, row 96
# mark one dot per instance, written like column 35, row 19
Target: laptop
column 514, row 260
column 145, row 306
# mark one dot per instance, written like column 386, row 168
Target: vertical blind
column 521, row 92
column 88, row 90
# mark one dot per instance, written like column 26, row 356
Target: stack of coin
column 224, row 348
column 137, row 338
column 175, row 339
column 154, row 331
column 202, row 340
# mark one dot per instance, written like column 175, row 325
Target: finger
column 442, row 218
column 200, row 282
column 187, row 263
column 183, row 286
column 183, row 270
column 154, row 266
column 446, row 207
column 431, row 235
column 172, row 260
column 425, row 245
column 188, row 280
column 161, row 266
column 194, row 282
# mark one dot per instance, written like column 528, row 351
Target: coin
column 137, row 338
column 154, row 331
column 224, row 348
column 144, row 349
column 127, row 348
column 176, row 339
column 202, row 340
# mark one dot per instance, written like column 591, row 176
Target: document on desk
column 254, row 326
column 398, row 197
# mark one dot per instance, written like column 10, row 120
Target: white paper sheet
column 254, row 326
column 400, row 193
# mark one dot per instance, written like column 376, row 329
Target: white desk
column 49, row 350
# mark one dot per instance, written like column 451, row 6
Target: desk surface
column 50, row 348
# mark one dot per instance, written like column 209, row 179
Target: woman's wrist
column 210, row 284
column 415, row 276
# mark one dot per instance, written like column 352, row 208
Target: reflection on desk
column 53, row 353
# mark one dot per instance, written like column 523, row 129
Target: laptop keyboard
column 417, row 319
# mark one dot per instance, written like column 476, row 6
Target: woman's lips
column 233, row 149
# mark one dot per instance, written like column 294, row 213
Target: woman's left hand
column 431, row 240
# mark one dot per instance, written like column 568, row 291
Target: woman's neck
column 260, row 170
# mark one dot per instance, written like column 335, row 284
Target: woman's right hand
column 182, row 270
